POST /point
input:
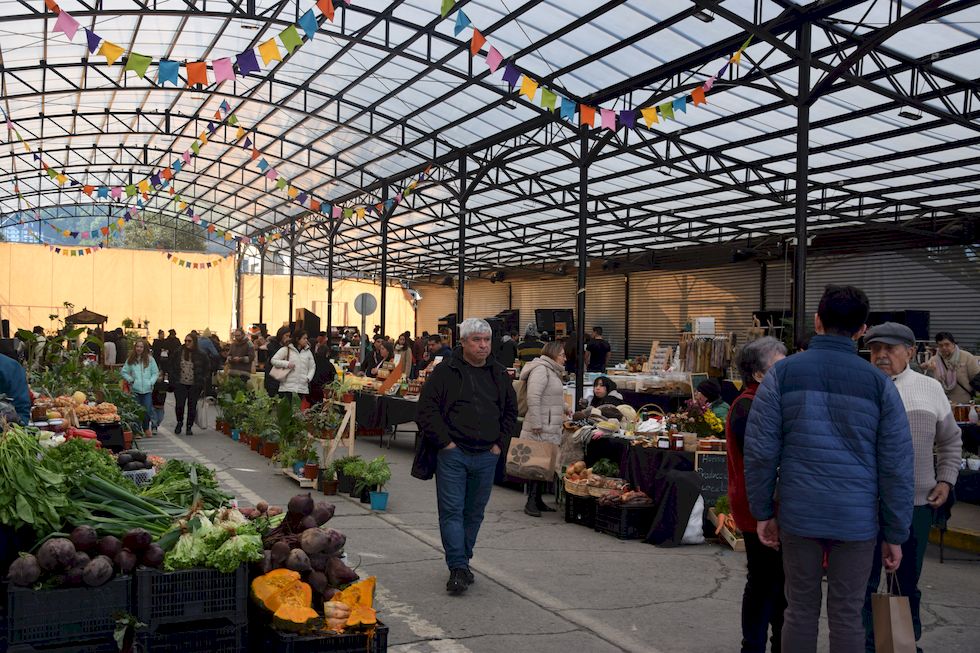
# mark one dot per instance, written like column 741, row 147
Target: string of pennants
column 269, row 51
column 75, row 251
column 567, row 108
column 194, row 265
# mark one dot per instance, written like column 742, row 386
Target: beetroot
column 339, row 574
column 307, row 523
column 25, row 570
column 57, row 554
column 301, row 504
column 126, row 561
column 84, row 538
column 153, row 556
column 109, row 546
column 314, row 540
column 98, row 572
column 318, row 581
column 319, row 561
column 262, row 507
column 298, row 561
column 137, row 540
column 279, row 553
column 73, row 577
column 323, row 512
column 81, row 559
column 336, row 539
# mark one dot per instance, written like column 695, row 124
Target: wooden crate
column 737, row 543
column 305, row 483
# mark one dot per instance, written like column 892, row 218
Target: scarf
column 946, row 369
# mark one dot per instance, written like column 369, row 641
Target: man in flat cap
column 931, row 420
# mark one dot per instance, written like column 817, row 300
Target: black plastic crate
column 103, row 645
column 580, row 510
column 625, row 522
column 171, row 597
column 49, row 617
column 274, row 641
column 211, row 636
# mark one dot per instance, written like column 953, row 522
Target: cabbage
column 235, row 551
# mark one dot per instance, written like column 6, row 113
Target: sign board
column 713, row 468
column 365, row 304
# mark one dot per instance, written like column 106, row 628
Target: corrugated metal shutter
column 945, row 283
column 546, row 293
column 484, row 299
column 661, row 301
column 436, row 302
column 605, row 306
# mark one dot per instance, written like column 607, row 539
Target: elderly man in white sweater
column 933, row 429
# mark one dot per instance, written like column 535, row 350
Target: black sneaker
column 470, row 578
column 189, row 431
column 457, row 583
column 178, row 429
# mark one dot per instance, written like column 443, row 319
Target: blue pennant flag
column 103, row 191
column 462, row 22
column 167, row 72
column 680, row 104
column 567, row 109
column 308, row 22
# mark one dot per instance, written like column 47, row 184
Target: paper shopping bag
column 892, row 616
column 532, row 460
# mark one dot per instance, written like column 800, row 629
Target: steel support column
column 461, row 244
column 262, row 282
column 384, row 261
column 330, row 244
column 626, row 316
column 238, row 286
column 292, row 268
column 802, row 165
column 583, row 263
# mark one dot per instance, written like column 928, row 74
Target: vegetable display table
column 971, row 437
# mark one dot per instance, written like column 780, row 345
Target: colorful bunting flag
column 326, row 8
column 270, row 52
column 511, row 74
column 680, row 104
column 476, row 43
column 608, row 119
column 110, row 51
column 447, row 6
column 223, row 70
column 548, row 99
column 247, row 63
column 666, row 110
column 136, row 62
column 462, row 22
column 197, row 73
column 67, row 25
column 697, row 96
column 167, row 71
column 308, row 22
column 290, row 39
column 567, row 109
column 494, row 59
column 627, row 118
column 586, row 115
column 529, row 87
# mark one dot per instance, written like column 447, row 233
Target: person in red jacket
column 763, row 601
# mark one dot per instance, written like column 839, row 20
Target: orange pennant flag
column 197, row 73
column 477, row 42
column 88, row 190
column 166, row 174
column 697, row 95
column 586, row 115
column 217, row 115
column 314, row 205
column 326, row 8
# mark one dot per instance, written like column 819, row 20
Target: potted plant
column 311, row 468
column 270, row 442
column 345, row 481
column 323, row 420
column 328, row 480
column 375, row 478
column 342, row 388
column 355, row 470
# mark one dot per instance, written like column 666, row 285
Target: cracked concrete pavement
column 544, row 585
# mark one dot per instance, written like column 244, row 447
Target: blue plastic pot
column 298, row 468
column 379, row 501
column 234, row 434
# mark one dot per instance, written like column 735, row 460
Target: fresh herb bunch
column 184, row 484
column 605, row 467
column 78, row 458
column 30, row 494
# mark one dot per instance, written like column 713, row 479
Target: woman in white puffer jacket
column 297, row 357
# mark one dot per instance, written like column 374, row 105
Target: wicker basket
column 577, row 489
column 603, row 491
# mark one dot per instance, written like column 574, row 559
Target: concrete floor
column 544, row 585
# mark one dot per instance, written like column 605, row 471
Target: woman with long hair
column 383, row 353
column 189, row 376
column 272, row 348
column 545, row 411
column 404, row 348
column 296, row 357
column 141, row 372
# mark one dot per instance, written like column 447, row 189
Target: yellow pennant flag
column 241, row 132
column 203, row 137
column 360, row 213
column 270, row 52
column 292, row 192
column 110, row 51
column 650, row 115
column 144, row 186
column 529, row 87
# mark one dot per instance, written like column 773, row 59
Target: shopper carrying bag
column 892, row 620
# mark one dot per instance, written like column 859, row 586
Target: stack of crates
column 192, row 610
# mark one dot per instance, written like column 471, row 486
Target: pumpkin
column 296, row 619
column 268, row 585
column 360, row 597
column 297, row 594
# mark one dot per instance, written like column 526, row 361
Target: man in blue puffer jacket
column 829, row 441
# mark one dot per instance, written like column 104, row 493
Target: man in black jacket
column 468, row 406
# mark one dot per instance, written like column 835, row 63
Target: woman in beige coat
column 545, row 411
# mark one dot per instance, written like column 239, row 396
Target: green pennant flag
column 195, row 147
column 52, row 173
column 447, row 6
column 130, row 190
column 281, row 182
column 667, row 110
column 232, row 119
column 348, row 213
column 290, row 39
column 548, row 99
column 138, row 63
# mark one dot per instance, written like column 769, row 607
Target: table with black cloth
column 971, row 437
column 668, row 477
column 366, row 410
column 968, row 486
column 667, row 403
column 383, row 412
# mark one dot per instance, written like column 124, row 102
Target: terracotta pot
column 329, row 434
column 311, row 471
column 348, row 397
column 128, row 439
column 226, row 428
column 329, row 487
column 270, row 449
column 256, row 443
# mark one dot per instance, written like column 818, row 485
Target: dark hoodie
column 474, row 407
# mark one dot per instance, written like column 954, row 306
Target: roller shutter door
column 605, row 306
column 436, row 302
column 546, row 293
column 484, row 299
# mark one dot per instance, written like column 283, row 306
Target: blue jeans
column 145, row 400
column 463, row 484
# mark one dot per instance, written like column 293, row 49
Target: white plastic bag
column 694, row 533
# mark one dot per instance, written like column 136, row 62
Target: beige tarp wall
column 144, row 285
column 311, row 293
column 118, row 283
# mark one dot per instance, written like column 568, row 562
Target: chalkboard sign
column 713, row 468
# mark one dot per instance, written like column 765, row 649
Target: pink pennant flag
column 494, row 59
column 709, row 83
column 196, row 219
column 223, row 70
column 398, row 198
column 271, row 173
column 337, row 211
column 116, row 192
column 608, row 119
column 66, row 24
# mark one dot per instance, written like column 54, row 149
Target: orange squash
column 268, row 585
column 296, row 619
column 360, row 597
column 297, row 594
